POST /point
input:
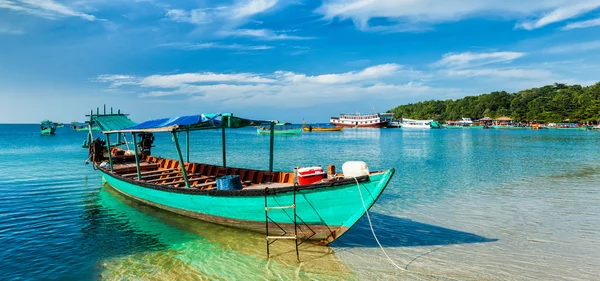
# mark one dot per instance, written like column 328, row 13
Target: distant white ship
column 419, row 124
column 374, row 120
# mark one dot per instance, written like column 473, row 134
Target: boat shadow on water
column 399, row 232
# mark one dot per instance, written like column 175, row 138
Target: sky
column 286, row 60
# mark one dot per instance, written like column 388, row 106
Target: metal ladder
column 271, row 239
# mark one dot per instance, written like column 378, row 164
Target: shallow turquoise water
column 463, row 205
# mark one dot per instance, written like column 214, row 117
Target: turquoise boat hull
column 328, row 211
column 280, row 132
column 48, row 131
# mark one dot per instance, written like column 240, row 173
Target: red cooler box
column 310, row 175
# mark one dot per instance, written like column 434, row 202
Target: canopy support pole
column 187, row 146
column 183, row 172
column 224, row 149
column 137, row 157
column 110, row 161
column 272, row 139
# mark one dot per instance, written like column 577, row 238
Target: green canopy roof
column 110, row 122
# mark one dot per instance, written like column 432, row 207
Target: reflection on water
column 180, row 245
column 463, row 205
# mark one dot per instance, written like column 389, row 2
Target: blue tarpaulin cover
column 195, row 122
column 176, row 121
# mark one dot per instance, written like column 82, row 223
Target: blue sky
column 283, row 60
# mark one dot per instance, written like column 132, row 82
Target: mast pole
column 224, row 149
column 272, row 139
column 110, row 161
column 187, row 146
column 137, row 157
column 183, row 172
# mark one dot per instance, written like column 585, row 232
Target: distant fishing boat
column 321, row 128
column 281, row 128
column 394, row 124
column 374, row 120
column 568, row 126
column 511, row 127
column 419, row 124
column 60, row 125
column 47, row 127
column 83, row 127
column 306, row 204
column 464, row 123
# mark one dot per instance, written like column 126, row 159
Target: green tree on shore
column 551, row 103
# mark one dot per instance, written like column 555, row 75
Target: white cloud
column 248, row 8
column 515, row 73
column 282, row 88
column 561, row 14
column 582, row 24
column 469, row 59
column 176, row 80
column 116, row 80
column 574, row 48
column 44, row 8
column 233, row 15
column 407, row 13
column 263, row 34
column 215, row 45
column 369, row 73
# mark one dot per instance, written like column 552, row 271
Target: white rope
column 380, row 246
column 372, row 230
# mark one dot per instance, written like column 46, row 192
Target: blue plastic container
column 229, row 182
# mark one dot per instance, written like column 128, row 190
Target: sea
column 463, row 205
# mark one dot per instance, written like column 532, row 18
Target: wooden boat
column 279, row 129
column 271, row 202
column 47, row 127
column 320, row 128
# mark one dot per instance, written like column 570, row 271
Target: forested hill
column 551, row 103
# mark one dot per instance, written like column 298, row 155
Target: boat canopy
column 111, row 122
column 191, row 123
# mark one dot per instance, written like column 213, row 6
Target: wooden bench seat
column 171, row 178
column 157, row 175
column 128, row 168
column 192, row 179
column 149, row 172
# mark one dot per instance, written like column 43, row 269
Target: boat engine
column 96, row 150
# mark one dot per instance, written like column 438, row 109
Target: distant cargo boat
column 419, row 124
column 47, row 127
column 375, row 120
column 280, row 129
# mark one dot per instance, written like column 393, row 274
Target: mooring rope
column 380, row 246
column 372, row 230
